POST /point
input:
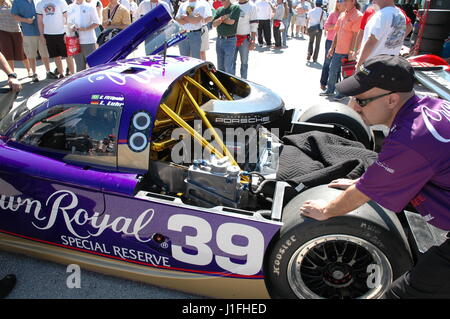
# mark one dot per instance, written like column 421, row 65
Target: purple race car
column 98, row 169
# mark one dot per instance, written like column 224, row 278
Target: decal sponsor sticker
column 188, row 242
column 108, row 99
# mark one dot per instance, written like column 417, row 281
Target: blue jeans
column 334, row 70
column 243, row 51
column 284, row 33
column 191, row 45
column 225, row 49
column 326, row 64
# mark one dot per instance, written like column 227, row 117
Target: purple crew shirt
column 414, row 162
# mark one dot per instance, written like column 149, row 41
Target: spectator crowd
column 56, row 30
column 63, row 30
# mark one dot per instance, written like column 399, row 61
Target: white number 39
column 253, row 250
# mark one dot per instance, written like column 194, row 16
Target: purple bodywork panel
column 97, row 211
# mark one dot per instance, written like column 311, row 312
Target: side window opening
column 86, row 133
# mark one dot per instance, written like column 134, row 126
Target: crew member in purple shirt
column 412, row 167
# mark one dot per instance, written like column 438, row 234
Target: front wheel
column 353, row 256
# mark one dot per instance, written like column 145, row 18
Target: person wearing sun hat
column 413, row 166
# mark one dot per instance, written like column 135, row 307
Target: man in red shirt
column 370, row 11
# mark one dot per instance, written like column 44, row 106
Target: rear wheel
column 336, row 266
column 353, row 256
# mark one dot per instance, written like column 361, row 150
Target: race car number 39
column 253, row 251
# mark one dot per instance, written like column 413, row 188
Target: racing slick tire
column 436, row 16
column 431, row 46
column 353, row 256
column 434, row 32
column 349, row 122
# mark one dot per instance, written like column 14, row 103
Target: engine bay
column 209, row 146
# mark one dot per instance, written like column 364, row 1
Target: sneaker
column 67, row 72
column 338, row 97
column 308, row 58
column 323, row 87
column 51, row 75
column 61, row 76
column 34, row 78
column 326, row 94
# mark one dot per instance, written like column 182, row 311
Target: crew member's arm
column 348, row 201
column 392, row 181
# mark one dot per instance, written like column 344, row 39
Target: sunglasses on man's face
column 364, row 102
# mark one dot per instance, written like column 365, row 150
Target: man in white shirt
column 83, row 19
column 52, row 17
column 192, row 15
column 264, row 13
column 384, row 32
column 245, row 34
column 145, row 7
column 316, row 19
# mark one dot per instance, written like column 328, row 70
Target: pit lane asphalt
column 285, row 71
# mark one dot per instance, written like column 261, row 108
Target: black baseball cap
column 388, row 72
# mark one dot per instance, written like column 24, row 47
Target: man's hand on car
column 314, row 209
column 342, row 183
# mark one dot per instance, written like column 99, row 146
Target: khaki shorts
column 205, row 39
column 31, row 45
column 294, row 19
